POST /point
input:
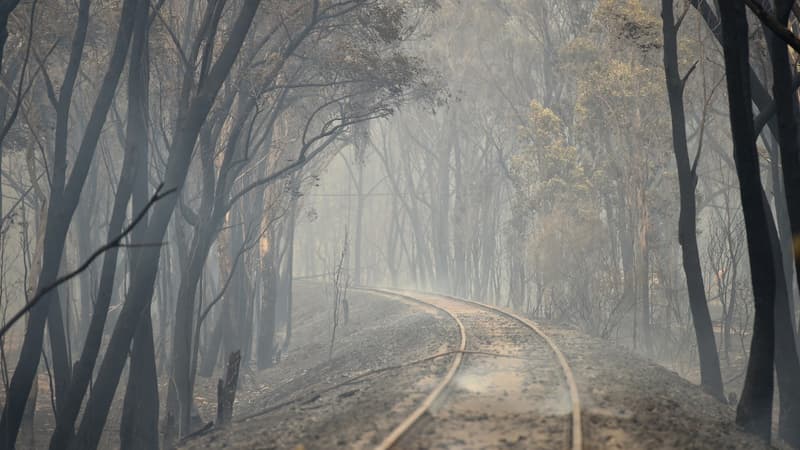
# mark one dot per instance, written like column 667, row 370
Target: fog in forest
column 399, row 224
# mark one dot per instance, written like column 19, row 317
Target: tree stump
column 226, row 389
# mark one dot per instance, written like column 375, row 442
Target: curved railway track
column 402, row 430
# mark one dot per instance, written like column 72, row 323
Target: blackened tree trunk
column 85, row 246
column 63, row 202
column 59, row 353
column 227, row 257
column 239, row 323
column 180, row 398
column 210, row 356
column 85, row 366
column 269, row 300
column 710, row 375
column 754, row 411
column 760, row 94
column 787, row 366
column 189, row 123
column 213, row 209
column 786, row 352
column 781, row 215
column 139, row 422
column 6, row 8
column 288, row 270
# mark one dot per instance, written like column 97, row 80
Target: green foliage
column 548, row 169
column 592, row 167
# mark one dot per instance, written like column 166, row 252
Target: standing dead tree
column 226, row 389
column 711, row 377
column 198, row 96
column 65, row 194
column 340, row 282
column 754, row 411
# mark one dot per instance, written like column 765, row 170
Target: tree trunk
column 787, row 363
column 710, row 374
column 266, row 330
column 226, row 389
column 141, row 288
column 63, row 201
column 211, row 355
column 754, row 411
column 139, row 422
column 180, row 398
column 357, row 269
column 288, row 272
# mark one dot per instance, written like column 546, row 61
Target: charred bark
column 139, row 422
column 63, row 201
column 754, row 411
column 189, row 122
column 787, row 363
column 710, row 374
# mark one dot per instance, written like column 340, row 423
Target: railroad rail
column 576, row 435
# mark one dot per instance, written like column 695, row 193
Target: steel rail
column 401, row 429
column 409, row 421
column 577, row 426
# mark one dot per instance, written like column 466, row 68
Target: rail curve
column 400, row 430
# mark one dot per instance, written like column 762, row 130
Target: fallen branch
column 205, row 429
column 314, row 396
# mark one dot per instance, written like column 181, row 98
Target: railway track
column 458, row 309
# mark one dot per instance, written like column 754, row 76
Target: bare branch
column 773, row 24
column 685, row 78
column 20, row 94
column 113, row 243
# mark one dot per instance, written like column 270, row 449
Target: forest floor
column 378, row 373
column 315, row 401
column 381, row 369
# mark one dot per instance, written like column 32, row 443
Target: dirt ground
column 509, row 391
column 307, row 402
column 631, row 403
column 312, row 401
column 380, row 371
